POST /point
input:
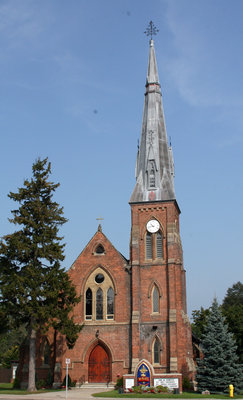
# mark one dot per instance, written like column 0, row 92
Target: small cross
column 151, row 30
column 99, row 219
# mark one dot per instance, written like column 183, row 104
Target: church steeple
column 154, row 166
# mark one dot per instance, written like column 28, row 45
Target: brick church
column 134, row 311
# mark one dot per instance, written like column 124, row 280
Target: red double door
column 99, row 365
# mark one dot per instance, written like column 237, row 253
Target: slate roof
column 155, row 165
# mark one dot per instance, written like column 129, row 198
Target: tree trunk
column 32, row 351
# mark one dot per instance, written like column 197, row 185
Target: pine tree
column 220, row 367
column 34, row 289
column 232, row 309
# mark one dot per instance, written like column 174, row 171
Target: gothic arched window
column 88, row 304
column 99, row 304
column 110, row 303
column 155, row 299
column 159, row 245
column 149, row 251
column 99, row 249
column 156, row 348
column 46, row 353
column 99, row 293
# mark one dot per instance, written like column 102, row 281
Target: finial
column 151, row 30
column 99, row 227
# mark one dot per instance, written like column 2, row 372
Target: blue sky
column 72, row 76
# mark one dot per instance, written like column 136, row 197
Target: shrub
column 186, row 384
column 119, row 383
column 162, row 389
column 69, row 381
column 40, row 384
column 16, row 383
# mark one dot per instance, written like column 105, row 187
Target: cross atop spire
column 99, row 227
column 151, row 30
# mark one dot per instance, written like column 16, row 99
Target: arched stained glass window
column 110, row 303
column 88, row 304
column 99, row 294
column 156, row 351
column 159, row 245
column 155, row 299
column 99, row 304
column 148, row 245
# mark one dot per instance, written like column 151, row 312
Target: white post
column 66, row 381
column 67, row 363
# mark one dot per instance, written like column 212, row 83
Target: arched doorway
column 99, row 365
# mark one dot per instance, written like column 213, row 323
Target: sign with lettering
column 143, row 376
column 129, row 383
column 171, row 383
column 67, row 361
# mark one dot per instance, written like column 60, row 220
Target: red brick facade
column 128, row 336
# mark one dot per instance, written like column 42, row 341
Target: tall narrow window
column 110, row 303
column 99, row 304
column 46, row 353
column 151, row 174
column 148, row 245
column 88, row 304
column 155, row 299
column 152, row 178
column 159, row 245
column 156, row 351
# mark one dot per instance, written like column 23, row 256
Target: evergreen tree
column 232, row 309
column 199, row 321
column 220, row 367
column 34, row 289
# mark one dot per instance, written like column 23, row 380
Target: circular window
column 99, row 278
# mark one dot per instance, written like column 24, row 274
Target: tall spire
column 155, row 165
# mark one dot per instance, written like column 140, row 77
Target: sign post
column 67, row 364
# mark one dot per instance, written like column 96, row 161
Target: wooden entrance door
column 99, row 365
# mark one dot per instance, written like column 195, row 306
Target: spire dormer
column 154, row 166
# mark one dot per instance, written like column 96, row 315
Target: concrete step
column 97, row 386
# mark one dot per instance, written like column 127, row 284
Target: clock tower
column 160, row 330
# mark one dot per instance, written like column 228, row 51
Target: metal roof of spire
column 155, row 165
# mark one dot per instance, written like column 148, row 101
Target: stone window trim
column 103, row 270
column 155, row 300
column 151, row 286
column 97, row 246
column 45, row 352
column 101, row 290
column 155, row 248
column 156, row 340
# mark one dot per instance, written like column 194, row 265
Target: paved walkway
column 81, row 394
column 74, row 394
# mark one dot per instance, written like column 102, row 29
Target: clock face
column 153, row 226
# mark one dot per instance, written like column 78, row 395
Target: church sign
column 171, row 383
column 143, row 376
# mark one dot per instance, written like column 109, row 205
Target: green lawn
column 7, row 388
column 115, row 394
